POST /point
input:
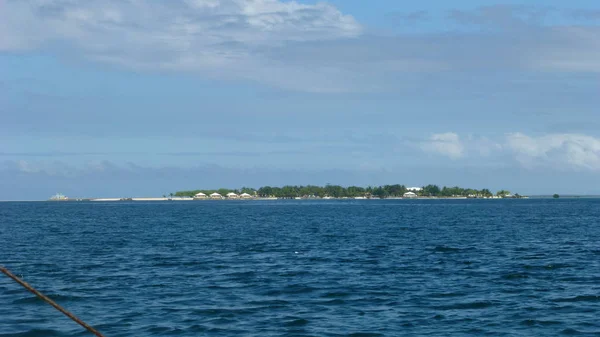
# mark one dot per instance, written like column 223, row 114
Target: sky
column 120, row 98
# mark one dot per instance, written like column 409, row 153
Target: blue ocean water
column 304, row 268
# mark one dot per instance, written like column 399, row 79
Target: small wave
column 13, row 291
column 222, row 312
column 294, row 273
column 336, row 301
column 335, row 295
column 581, row 298
column 515, row 276
column 533, row 257
column 35, row 333
column 150, row 285
column 270, row 303
column 475, row 331
column 242, row 274
column 196, row 328
column 224, row 321
column 466, row 306
column 365, row 334
column 157, row 329
column 165, row 264
column 570, row 331
column 296, row 322
column 57, row 298
column 446, row 249
column 534, row 322
column 550, row 266
column 445, row 295
column 293, row 289
column 198, row 264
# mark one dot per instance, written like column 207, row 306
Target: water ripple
column 339, row 268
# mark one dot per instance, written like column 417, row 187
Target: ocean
column 304, row 268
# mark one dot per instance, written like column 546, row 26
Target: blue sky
column 113, row 98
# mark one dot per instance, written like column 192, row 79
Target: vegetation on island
column 337, row 191
column 556, row 196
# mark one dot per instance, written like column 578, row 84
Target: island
column 340, row 192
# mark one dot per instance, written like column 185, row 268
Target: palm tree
column 502, row 193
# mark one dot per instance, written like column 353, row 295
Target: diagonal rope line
column 51, row 302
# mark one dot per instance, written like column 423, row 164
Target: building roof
column 200, row 194
column 231, row 194
column 216, row 195
column 245, row 195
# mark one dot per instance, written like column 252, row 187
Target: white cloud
column 26, row 167
column 288, row 44
column 50, row 168
column 483, row 146
column 560, row 55
column 189, row 25
column 547, row 152
column 191, row 34
column 447, row 144
column 562, row 151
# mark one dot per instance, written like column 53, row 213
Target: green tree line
column 337, row 191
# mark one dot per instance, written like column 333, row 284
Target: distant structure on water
column 58, row 197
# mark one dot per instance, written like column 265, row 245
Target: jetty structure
column 58, row 197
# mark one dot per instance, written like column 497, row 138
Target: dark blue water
column 301, row 268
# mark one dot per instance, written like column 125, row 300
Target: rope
column 49, row 301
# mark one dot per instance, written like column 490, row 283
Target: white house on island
column 410, row 195
column 232, row 195
column 216, row 196
column 245, row 196
column 200, row 196
column 414, row 189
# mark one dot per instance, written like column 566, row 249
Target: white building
column 232, row 195
column 414, row 189
column 245, row 196
column 410, row 195
column 200, row 196
column 216, row 196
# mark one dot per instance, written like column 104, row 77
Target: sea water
column 304, row 268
